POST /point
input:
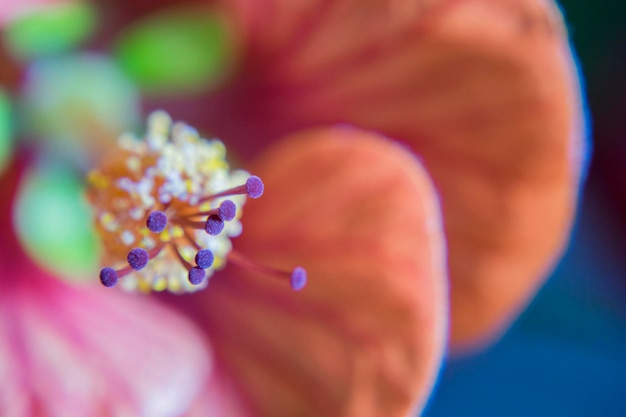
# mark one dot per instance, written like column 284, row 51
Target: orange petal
column 366, row 335
column 485, row 91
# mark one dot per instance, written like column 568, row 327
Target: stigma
column 166, row 208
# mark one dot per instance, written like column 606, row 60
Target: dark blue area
column 566, row 355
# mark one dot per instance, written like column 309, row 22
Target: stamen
column 204, row 258
column 180, row 257
column 172, row 189
column 253, row 188
column 297, row 277
column 196, row 275
column 191, row 240
column 214, row 225
column 137, row 259
column 227, row 210
column 155, row 252
column 156, row 222
column 108, row 277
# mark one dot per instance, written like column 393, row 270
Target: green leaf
column 55, row 223
column 50, row 30
column 175, row 52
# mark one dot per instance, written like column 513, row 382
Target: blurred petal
column 67, row 351
column 122, row 11
column 219, row 399
column 10, row 70
column 366, row 335
column 6, row 130
column 484, row 91
column 81, row 351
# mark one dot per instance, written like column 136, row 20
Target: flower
column 483, row 92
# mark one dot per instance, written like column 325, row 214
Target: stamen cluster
column 167, row 205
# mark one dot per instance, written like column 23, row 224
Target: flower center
column 168, row 206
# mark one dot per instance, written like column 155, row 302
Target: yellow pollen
column 165, row 236
column 177, row 232
column 97, row 180
column 160, row 284
column 218, row 262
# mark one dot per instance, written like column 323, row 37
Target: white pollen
column 134, row 164
column 148, row 243
column 136, row 213
column 127, row 238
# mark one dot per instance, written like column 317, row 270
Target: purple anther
column 254, row 187
column 137, row 259
column 204, row 258
column 108, row 277
column 227, row 210
column 298, row 278
column 196, row 275
column 157, row 220
column 214, row 225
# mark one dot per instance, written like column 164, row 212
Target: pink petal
column 366, row 335
column 67, row 351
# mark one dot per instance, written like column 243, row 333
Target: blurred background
column 65, row 77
